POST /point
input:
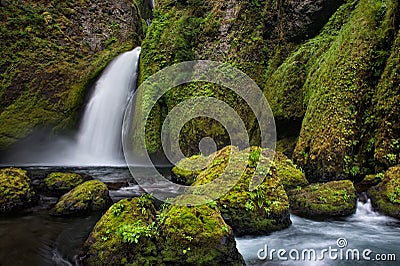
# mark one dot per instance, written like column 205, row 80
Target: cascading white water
column 99, row 138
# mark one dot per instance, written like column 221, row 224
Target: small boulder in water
column 15, row 191
column 87, row 197
column 324, row 200
column 57, row 183
column 385, row 197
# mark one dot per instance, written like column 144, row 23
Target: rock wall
column 51, row 53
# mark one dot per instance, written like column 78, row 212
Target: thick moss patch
column 90, row 196
column 385, row 197
column 288, row 172
column 123, row 235
column 131, row 232
column 186, row 171
column 324, row 200
column 15, row 190
column 58, row 183
column 260, row 211
column 197, row 236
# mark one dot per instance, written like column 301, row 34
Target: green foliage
column 131, row 233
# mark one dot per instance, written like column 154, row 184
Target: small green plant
column 225, row 229
column 250, row 206
column 131, row 233
column 117, row 209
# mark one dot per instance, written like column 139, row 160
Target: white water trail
column 99, row 138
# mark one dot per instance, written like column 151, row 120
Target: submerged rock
column 262, row 210
column 90, row 196
column 131, row 233
column 324, row 200
column 58, row 183
column 385, row 197
column 15, row 190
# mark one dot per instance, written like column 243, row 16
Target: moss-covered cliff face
column 337, row 138
column 51, row 52
column 333, row 70
column 253, row 36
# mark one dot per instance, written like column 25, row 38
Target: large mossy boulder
column 124, row 235
column 87, row 197
column 58, row 183
column 385, row 197
column 15, row 191
column 262, row 210
column 131, row 233
column 197, row 235
column 324, row 200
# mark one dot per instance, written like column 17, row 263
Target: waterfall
column 99, row 137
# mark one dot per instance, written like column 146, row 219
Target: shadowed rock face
column 305, row 18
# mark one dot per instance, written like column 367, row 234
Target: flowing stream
column 39, row 239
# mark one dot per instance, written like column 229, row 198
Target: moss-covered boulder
column 124, row 235
column 324, row 200
column 368, row 182
column 131, row 232
column 262, row 210
column 385, row 197
column 87, row 197
column 286, row 145
column 186, row 171
column 15, row 191
column 197, row 236
column 58, row 183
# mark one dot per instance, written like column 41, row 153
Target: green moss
column 59, row 183
column 385, row 196
column 206, row 30
column 262, row 210
column 15, row 190
column 89, row 196
column 288, row 172
column 197, row 236
column 188, row 169
column 108, row 245
column 338, row 91
column 386, row 102
column 324, row 200
column 49, row 60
